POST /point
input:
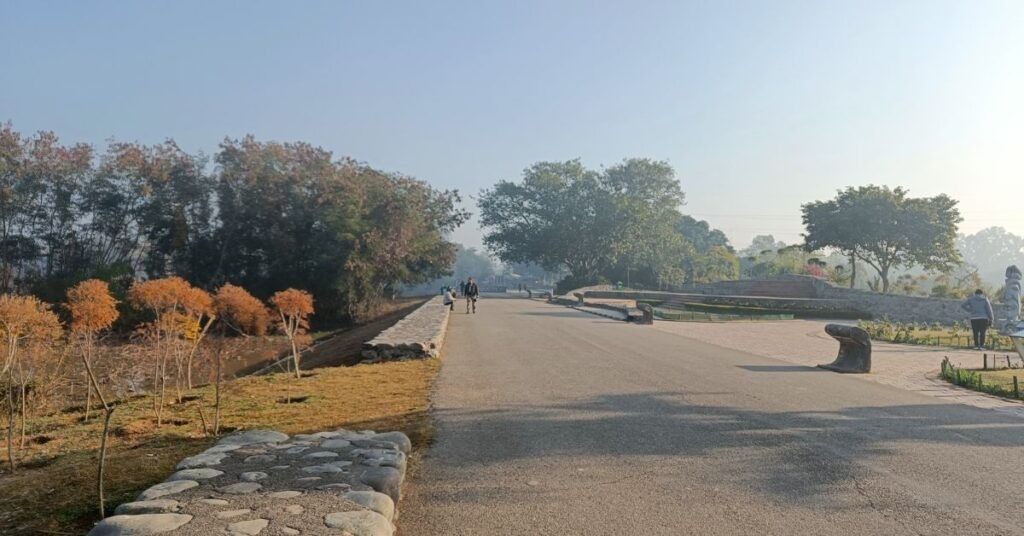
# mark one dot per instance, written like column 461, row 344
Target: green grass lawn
column 999, row 382
column 931, row 335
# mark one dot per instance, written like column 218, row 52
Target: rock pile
column 417, row 336
column 262, row 482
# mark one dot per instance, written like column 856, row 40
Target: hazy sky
column 759, row 106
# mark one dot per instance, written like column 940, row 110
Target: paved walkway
column 554, row 421
column 804, row 342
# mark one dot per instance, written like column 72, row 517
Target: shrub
column 294, row 308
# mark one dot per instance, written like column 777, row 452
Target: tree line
column 263, row 215
column 623, row 223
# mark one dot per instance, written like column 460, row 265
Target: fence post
column 984, row 361
column 1016, row 388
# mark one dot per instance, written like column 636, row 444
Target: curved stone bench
column 854, row 349
column 264, row 482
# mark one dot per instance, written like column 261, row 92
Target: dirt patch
column 293, row 400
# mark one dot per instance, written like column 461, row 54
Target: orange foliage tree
column 22, row 319
column 241, row 311
column 294, row 308
column 164, row 298
column 93, row 309
column 199, row 316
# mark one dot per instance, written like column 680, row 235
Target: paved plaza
column 804, row 342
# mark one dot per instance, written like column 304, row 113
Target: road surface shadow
column 802, row 455
column 779, row 368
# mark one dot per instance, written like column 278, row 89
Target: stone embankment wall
column 810, row 294
column 263, row 482
column 419, row 335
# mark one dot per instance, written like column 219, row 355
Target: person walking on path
column 981, row 315
column 462, row 288
column 472, row 293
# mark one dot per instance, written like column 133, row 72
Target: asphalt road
column 551, row 421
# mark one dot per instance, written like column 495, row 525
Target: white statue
column 1011, row 299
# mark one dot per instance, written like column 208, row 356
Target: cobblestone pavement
column 804, row 342
column 262, row 482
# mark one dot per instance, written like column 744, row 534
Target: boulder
column 359, row 523
column 139, row 525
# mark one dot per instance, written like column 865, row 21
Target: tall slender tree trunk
column 195, row 348
column 295, row 357
column 108, row 411
column 216, row 396
column 24, row 406
column 853, row 269
column 10, row 420
column 101, row 466
column 163, row 390
column 88, row 398
column 156, row 375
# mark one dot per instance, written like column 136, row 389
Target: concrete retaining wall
column 419, row 335
column 262, row 482
column 830, row 299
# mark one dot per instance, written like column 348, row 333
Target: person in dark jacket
column 980, row 312
column 472, row 293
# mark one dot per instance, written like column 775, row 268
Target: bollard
column 984, row 361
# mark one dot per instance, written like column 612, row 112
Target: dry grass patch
column 54, row 489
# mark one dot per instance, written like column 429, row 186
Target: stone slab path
column 262, row 482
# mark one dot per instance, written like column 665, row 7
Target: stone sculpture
column 1011, row 299
column 854, row 349
column 648, row 312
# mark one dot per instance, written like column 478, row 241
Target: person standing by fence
column 981, row 315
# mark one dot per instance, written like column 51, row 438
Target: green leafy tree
column 562, row 215
column 646, row 199
column 886, row 229
column 711, row 258
column 292, row 216
column 556, row 216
